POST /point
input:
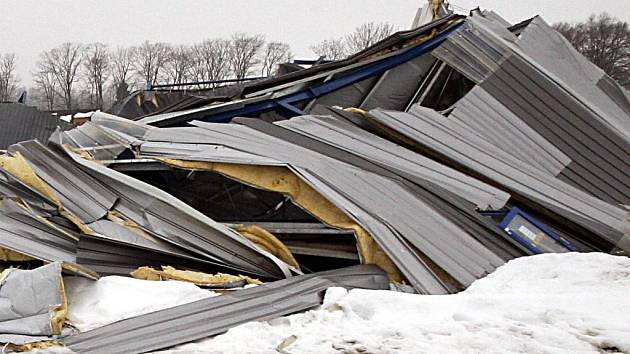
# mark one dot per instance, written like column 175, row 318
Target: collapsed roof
column 437, row 154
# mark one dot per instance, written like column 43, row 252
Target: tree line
column 94, row 75
column 86, row 75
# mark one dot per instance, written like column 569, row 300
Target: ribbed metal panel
column 19, row 122
column 430, row 130
column 539, row 99
column 215, row 315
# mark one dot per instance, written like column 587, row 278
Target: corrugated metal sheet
column 453, row 194
column 566, row 66
column 23, row 232
column 548, row 96
column 95, row 194
column 431, row 130
column 172, row 221
column 342, row 135
column 215, row 315
column 382, row 205
column 481, row 113
column 473, row 50
column 108, row 256
column 19, row 122
column 600, row 158
column 89, row 200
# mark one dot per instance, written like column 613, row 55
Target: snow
column 552, row 303
column 93, row 304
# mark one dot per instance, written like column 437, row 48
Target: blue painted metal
column 292, row 110
column 527, row 243
column 493, row 213
column 335, row 83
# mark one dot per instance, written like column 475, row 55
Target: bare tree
column 331, row 49
column 274, row 54
column 45, row 85
column 8, row 78
column 244, row 53
column 177, row 67
column 64, row 62
column 366, row 35
column 150, row 60
column 97, row 69
column 605, row 41
column 122, row 60
column 211, row 60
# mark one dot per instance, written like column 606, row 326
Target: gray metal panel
column 123, row 234
column 80, row 195
column 566, row 123
column 19, row 122
column 108, row 256
column 349, row 96
column 485, row 115
column 619, row 95
column 175, row 222
column 449, row 192
column 360, row 142
column 473, row 50
column 424, row 127
column 11, row 187
column 246, row 139
column 552, row 89
column 96, row 141
column 26, row 312
column 119, row 124
column 25, row 233
column 382, row 205
column 397, row 86
column 215, row 315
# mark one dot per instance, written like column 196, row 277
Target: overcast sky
column 28, row 27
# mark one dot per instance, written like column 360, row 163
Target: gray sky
column 28, row 27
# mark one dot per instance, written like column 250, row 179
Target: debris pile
column 420, row 164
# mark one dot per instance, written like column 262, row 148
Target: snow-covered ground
column 553, row 303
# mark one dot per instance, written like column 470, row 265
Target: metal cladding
column 89, row 193
column 28, row 234
column 438, row 154
column 434, row 133
column 27, row 316
column 216, row 315
column 553, row 108
column 354, row 178
column 19, row 122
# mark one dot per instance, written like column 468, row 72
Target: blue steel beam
column 336, row 83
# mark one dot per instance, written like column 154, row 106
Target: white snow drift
column 552, row 303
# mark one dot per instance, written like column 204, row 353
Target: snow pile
column 93, row 304
column 552, row 303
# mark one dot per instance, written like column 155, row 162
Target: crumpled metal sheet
column 87, row 199
column 543, row 102
column 28, row 302
column 429, row 129
column 175, row 222
column 23, row 232
column 215, row 315
column 357, row 141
